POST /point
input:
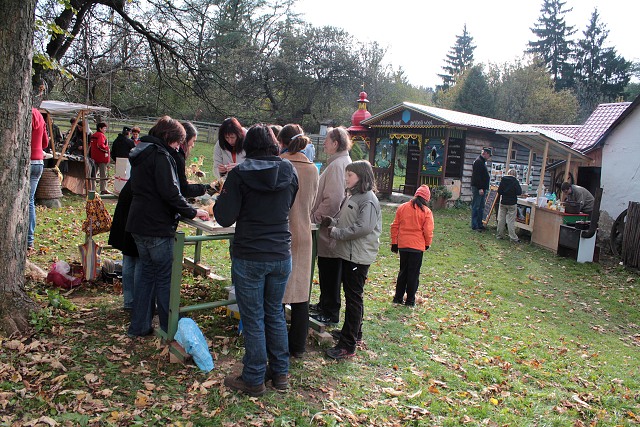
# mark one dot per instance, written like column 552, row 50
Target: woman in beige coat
column 292, row 141
column 331, row 192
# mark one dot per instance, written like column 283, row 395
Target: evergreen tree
column 459, row 59
column 601, row 73
column 553, row 44
column 474, row 96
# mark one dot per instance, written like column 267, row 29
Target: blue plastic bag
column 190, row 337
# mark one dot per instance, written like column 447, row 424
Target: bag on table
column 98, row 218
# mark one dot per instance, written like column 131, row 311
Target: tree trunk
column 16, row 38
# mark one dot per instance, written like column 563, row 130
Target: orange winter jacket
column 412, row 227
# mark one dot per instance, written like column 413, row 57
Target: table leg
column 176, row 281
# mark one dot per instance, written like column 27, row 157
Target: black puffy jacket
column 257, row 195
column 509, row 190
column 157, row 202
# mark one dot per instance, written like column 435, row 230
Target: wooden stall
column 76, row 177
column 532, row 212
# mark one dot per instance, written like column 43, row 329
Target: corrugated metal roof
column 533, row 137
column 470, row 120
column 597, row 124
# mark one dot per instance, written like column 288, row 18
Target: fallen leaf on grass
column 392, row 391
column 416, row 394
column 576, row 398
column 46, row 420
column 91, row 378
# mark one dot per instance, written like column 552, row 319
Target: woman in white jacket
column 229, row 150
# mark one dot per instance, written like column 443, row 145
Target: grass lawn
column 502, row 335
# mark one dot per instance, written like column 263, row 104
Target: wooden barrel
column 49, row 186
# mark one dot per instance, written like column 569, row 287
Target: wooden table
column 546, row 228
column 205, row 231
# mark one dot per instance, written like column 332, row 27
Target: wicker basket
column 49, row 186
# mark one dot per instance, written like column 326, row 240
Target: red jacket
column 412, row 227
column 39, row 138
column 99, row 148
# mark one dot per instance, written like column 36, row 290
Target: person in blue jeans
column 479, row 187
column 39, row 141
column 122, row 240
column 152, row 221
column 261, row 257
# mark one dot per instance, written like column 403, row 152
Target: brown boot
column 279, row 381
column 237, row 383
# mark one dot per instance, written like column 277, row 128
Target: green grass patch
column 502, row 334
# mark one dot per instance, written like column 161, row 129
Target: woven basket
column 49, row 186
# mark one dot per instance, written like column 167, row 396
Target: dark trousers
column 329, row 275
column 408, row 276
column 353, row 278
column 477, row 207
column 299, row 328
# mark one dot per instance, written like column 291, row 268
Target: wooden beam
column 509, row 153
column 543, row 169
column 567, row 169
column 528, row 180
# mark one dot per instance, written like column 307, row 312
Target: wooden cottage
column 413, row 144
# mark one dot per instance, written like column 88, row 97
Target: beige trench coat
column 300, row 225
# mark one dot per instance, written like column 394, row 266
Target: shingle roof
column 597, row 124
column 570, row 130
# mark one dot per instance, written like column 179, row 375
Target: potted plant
column 439, row 196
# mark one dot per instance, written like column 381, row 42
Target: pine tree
column 601, row 73
column 553, row 44
column 474, row 96
column 459, row 59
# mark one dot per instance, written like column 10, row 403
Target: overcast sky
column 419, row 33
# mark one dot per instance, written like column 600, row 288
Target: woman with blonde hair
column 292, row 143
column 509, row 190
column 331, row 191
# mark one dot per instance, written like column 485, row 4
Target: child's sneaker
column 338, row 353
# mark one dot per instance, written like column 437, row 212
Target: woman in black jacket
column 257, row 196
column 509, row 190
column 156, row 206
column 180, row 155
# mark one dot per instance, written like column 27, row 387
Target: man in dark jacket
column 122, row 145
column 479, row 188
column 153, row 217
column 257, row 196
column 575, row 193
column 509, row 190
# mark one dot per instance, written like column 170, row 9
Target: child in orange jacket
column 411, row 234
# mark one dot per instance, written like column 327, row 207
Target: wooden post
column 528, row 181
column 567, row 169
column 508, row 162
column 66, row 140
column 543, row 169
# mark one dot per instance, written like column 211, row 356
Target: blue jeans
column 260, row 288
column 34, row 178
column 477, row 207
column 153, row 280
column 130, row 274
